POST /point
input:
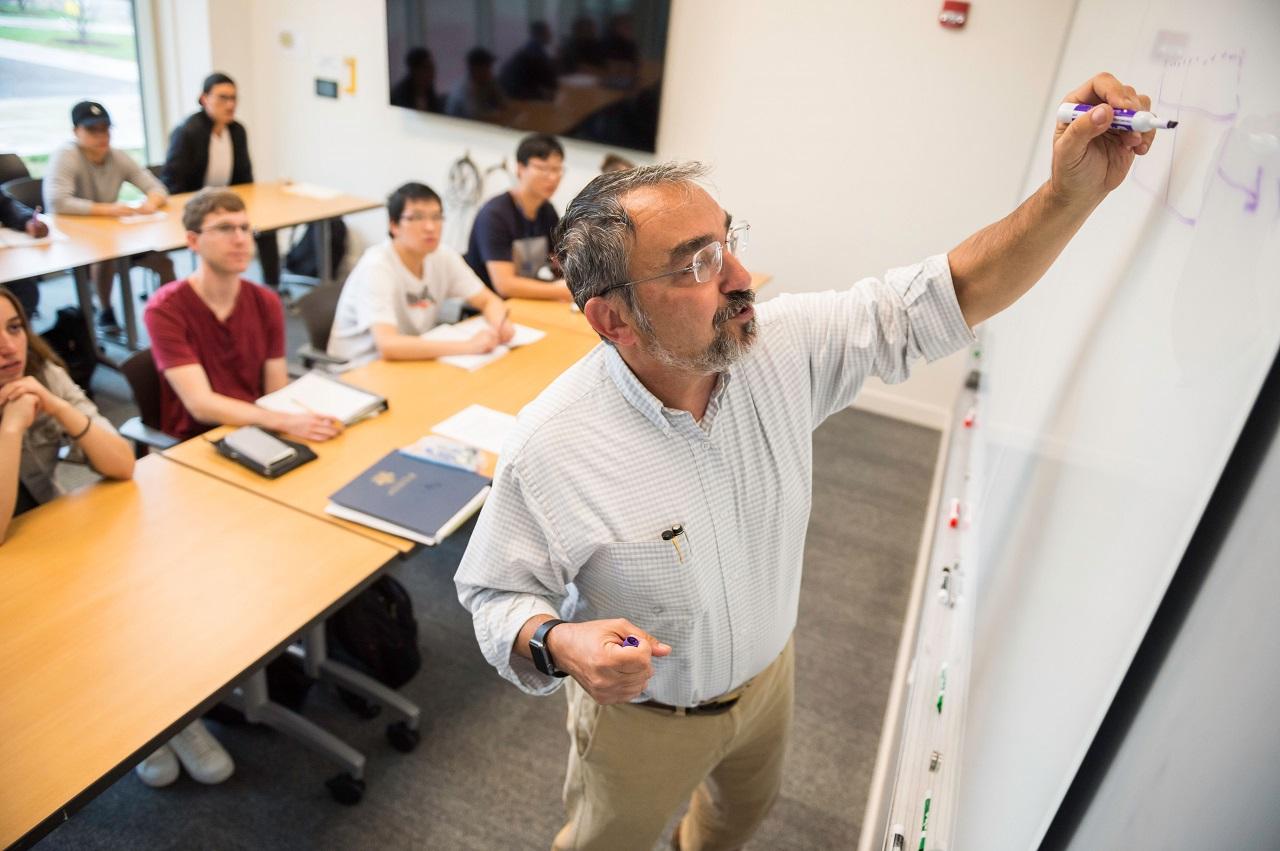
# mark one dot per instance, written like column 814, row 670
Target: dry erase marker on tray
column 1122, row 119
column 953, row 519
column 924, row 820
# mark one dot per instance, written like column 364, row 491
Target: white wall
column 854, row 136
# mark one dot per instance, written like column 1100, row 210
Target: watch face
column 541, row 658
column 538, row 650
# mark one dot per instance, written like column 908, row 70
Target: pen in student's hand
column 310, row 410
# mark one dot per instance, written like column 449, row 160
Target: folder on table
column 411, row 497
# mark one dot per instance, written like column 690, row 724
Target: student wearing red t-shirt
column 219, row 339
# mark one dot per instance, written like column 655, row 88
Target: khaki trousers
column 631, row 767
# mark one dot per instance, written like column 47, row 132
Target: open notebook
column 317, row 393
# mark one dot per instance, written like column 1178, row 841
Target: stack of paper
column 467, row 329
column 447, row 451
column 10, row 238
column 140, row 218
column 311, row 190
column 476, row 425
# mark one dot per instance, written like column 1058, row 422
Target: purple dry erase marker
column 631, row 641
column 1122, row 119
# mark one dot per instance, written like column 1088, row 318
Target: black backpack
column 301, row 259
column 376, row 633
column 70, row 338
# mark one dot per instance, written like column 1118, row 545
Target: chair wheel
column 403, row 737
column 345, row 789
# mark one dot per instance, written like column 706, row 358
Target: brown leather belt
column 712, row 707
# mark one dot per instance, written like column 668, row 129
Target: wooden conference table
column 94, row 239
column 420, row 394
column 126, row 608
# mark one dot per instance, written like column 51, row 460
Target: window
column 54, row 53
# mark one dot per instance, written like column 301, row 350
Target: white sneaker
column 159, row 769
column 202, row 756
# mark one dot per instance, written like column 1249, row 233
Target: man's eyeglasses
column 708, row 260
column 552, row 170
column 227, row 229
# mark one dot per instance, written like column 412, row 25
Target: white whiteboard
column 1113, row 394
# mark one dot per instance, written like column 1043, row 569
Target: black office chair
column 144, row 381
column 24, row 190
column 12, row 167
column 317, row 308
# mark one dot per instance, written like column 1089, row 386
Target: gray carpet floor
column 491, row 762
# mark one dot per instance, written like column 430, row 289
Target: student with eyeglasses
column 667, row 477
column 217, row 339
column 211, row 148
column 512, row 237
column 395, row 291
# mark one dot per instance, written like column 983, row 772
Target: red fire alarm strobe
column 954, row 13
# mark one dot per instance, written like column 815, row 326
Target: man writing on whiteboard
column 656, row 496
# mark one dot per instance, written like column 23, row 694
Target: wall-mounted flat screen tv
column 582, row 69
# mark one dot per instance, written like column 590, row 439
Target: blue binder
column 411, row 497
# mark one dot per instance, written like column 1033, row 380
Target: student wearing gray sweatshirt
column 84, row 179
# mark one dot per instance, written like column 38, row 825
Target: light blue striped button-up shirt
column 596, row 469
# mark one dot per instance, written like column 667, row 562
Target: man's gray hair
column 593, row 239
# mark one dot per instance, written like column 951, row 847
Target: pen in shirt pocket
column 674, row 534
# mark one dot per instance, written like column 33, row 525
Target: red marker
column 969, row 417
column 954, row 519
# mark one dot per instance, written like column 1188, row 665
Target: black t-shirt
column 500, row 223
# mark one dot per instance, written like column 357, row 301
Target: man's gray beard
column 725, row 349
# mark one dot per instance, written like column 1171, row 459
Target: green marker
column 942, row 686
column 924, row 821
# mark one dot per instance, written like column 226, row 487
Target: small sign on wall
column 954, row 14
column 331, row 71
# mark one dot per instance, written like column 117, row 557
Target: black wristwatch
column 538, row 649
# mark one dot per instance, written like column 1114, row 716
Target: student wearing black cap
column 84, row 179
column 211, row 148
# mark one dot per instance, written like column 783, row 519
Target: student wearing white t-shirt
column 393, row 294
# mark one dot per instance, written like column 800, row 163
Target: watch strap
column 540, row 652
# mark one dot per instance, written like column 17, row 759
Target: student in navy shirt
column 511, row 244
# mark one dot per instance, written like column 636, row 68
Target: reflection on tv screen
column 575, row 68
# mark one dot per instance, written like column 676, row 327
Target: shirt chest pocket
column 657, row 584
